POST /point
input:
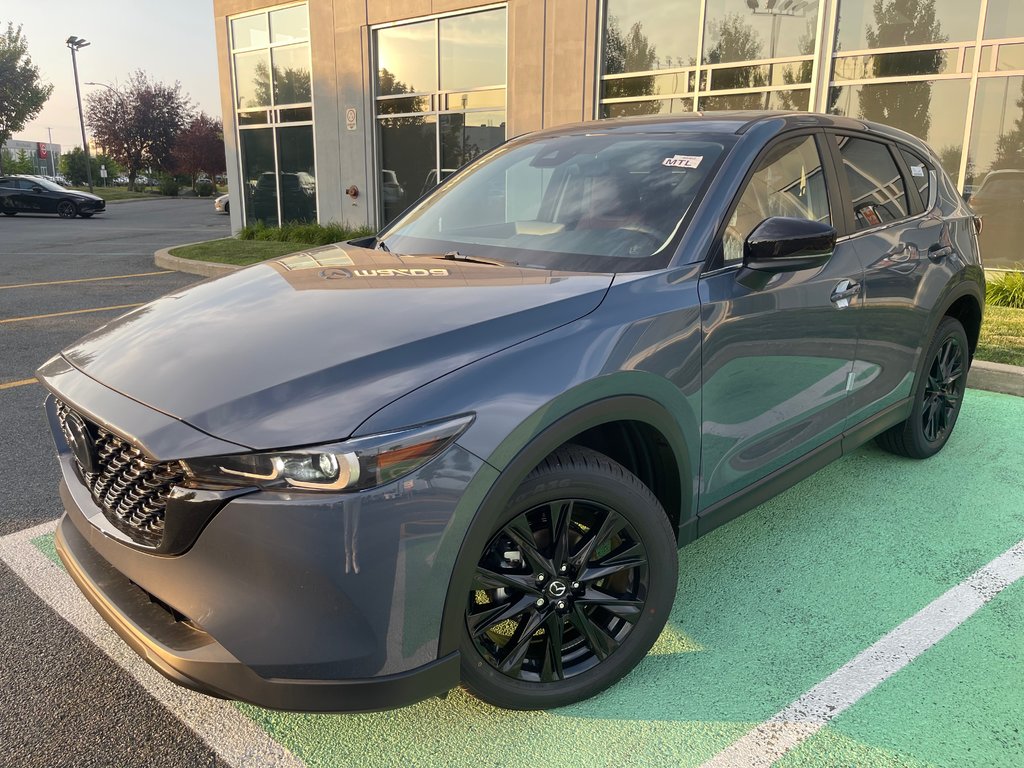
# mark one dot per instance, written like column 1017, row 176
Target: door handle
column 938, row 254
column 843, row 292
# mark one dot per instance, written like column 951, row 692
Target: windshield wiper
column 456, row 256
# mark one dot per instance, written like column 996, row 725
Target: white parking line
column 236, row 739
column 769, row 741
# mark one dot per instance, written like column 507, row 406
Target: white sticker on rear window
column 917, row 170
column 683, row 161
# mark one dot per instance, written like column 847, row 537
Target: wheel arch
column 628, row 418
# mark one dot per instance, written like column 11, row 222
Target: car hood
column 301, row 350
column 84, row 195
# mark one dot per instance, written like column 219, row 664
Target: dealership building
column 348, row 110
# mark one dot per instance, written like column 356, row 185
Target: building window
column 664, row 58
column 271, row 76
column 440, row 100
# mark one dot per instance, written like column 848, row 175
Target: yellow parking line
column 13, row 384
column 72, row 312
column 84, row 280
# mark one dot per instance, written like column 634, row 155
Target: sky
column 168, row 39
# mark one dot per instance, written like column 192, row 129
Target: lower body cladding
column 288, row 601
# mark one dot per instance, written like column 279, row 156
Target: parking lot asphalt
column 769, row 606
column 62, row 701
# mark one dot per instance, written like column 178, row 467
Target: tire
column 226, row 208
column 67, row 209
column 608, row 606
column 938, row 396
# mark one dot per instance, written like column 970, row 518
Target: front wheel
column 573, row 587
column 66, row 209
column 938, row 395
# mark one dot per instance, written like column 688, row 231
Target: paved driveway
column 874, row 605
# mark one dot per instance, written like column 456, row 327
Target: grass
column 1005, row 289
column 239, row 252
column 1002, row 336
column 307, row 234
column 115, row 193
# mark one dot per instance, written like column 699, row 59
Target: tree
column 20, row 164
column 630, row 52
column 72, row 167
column 199, row 147
column 137, row 124
column 22, row 94
column 1010, row 145
column 735, row 40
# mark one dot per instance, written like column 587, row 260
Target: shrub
column 301, row 232
column 169, row 187
column 1005, row 289
column 205, row 188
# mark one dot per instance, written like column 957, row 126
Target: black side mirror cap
column 782, row 244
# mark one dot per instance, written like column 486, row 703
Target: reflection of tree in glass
column 949, row 159
column 735, row 40
column 903, row 105
column 631, row 52
column 1010, row 145
column 802, row 73
column 389, row 85
column 291, row 86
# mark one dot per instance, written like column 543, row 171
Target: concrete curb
column 997, row 377
column 164, row 260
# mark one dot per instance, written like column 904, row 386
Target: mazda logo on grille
column 80, row 442
column 557, row 589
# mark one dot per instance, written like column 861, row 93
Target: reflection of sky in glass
column 408, row 52
column 735, row 32
column 956, row 19
column 995, row 112
column 1005, row 18
column 669, row 26
column 473, row 50
column 252, row 76
column 289, row 24
column 249, row 31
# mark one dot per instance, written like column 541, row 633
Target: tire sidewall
column 651, row 524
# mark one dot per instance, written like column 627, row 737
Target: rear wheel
column 573, row 587
column 66, row 209
column 938, row 396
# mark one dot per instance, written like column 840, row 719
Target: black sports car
column 34, row 194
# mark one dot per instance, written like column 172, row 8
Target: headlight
column 352, row 465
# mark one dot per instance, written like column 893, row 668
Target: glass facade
column 271, row 76
column 948, row 71
column 439, row 101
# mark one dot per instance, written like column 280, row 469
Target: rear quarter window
column 920, row 174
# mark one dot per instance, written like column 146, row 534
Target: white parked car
column 221, row 204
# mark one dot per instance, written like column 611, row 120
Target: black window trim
column 926, row 205
column 850, row 231
column 837, row 209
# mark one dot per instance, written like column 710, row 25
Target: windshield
column 40, row 182
column 599, row 202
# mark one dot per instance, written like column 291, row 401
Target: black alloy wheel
column 944, row 389
column 573, row 587
column 66, row 209
column 938, row 396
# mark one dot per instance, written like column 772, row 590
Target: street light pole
column 49, row 151
column 76, row 44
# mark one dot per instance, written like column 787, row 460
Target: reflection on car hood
column 85, row 195
column 304, row 348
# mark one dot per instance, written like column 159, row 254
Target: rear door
column 906, row 251
column 776, row 360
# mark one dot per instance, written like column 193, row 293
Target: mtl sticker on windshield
column 683, row 161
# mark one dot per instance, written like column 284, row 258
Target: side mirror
column 781, row 244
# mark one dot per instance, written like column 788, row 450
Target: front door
column 777, row 360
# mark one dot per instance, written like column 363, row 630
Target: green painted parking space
column 768, row 606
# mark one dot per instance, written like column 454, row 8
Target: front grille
column 131, row 490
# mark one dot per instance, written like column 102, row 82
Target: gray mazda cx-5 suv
column 466, row 450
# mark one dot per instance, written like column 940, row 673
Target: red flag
column 41, row 150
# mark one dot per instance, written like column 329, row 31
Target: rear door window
column 920, row 174
column 876, row 186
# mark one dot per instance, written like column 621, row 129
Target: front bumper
column 305, row 602
column 191, row 658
